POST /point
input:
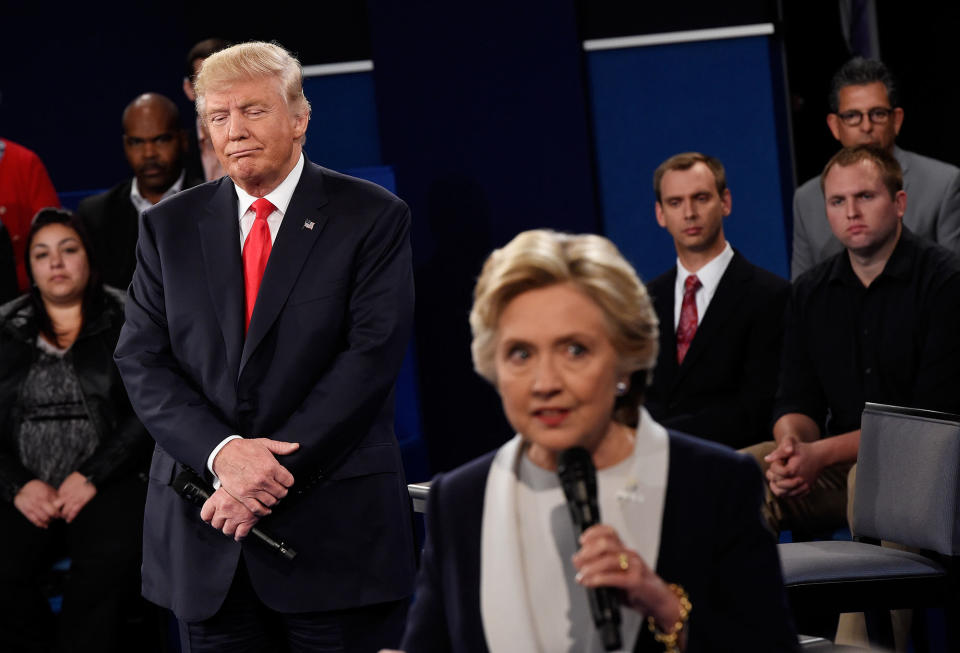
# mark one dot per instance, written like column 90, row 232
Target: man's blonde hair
column 249, row 61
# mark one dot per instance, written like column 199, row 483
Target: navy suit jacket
column 113, row 223
column 317, row 366
column 712, row 542
column 725, row 388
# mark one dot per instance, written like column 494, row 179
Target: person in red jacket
column 25, row 188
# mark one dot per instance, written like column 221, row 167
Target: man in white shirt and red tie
column 265, row 325
column 721, row 317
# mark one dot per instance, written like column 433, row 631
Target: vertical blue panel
column 714, row 97
column 483, row 116
column 343, row 129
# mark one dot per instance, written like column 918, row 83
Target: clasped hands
column 794, row 467
column 252, row 481
column 41, row 503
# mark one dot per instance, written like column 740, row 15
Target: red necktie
column 256, row 251
column 688, row 316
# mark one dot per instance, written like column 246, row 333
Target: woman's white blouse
column 545, row 602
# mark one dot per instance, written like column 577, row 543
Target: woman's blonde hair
column 539, row 258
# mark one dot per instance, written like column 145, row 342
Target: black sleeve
column 126, row 450
column 937, row 384
column 427, row 629
column 13, row 360
column 799, row 390
column 8, row 268
column 126, row 447
column 13, row 475
column 748, row 607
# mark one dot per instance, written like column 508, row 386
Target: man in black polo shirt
column 878, row 322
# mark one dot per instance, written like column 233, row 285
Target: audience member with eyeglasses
column 865, row 110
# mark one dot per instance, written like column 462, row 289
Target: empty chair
column 907, row 492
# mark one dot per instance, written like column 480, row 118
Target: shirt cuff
column 213, row 454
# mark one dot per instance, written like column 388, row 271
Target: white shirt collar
column 141, row 203
column 709, row 276
column 280, row 196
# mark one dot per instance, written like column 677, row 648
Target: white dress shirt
column 709, row 275
column 141, row 203
column 280, row 198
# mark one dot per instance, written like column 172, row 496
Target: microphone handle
column 604, row 601
column 189, row 486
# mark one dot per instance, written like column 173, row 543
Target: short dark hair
column 92, row 294
column 859, row 72
column 685, row 161
column 889, row 167
column 202, row 50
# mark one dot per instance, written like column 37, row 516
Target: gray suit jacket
column 933, row 211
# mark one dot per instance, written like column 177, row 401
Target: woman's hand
column 603, row 561
column 75, row 492
column 38, row 502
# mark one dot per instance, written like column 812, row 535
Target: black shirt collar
column 898, row 265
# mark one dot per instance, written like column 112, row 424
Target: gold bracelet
column 670, row 639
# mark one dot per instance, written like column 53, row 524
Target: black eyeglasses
column 877, row 115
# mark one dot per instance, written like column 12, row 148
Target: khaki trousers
column 827, row 507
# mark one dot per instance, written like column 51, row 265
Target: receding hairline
column 885, row 166
column 153, row 102
column 873, row 165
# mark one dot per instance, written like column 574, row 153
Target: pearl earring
column 621, row 388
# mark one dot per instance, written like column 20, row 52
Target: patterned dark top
column 56, row 434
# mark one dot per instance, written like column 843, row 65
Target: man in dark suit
column 154, row 143
column 716, row 372
column 266, row 324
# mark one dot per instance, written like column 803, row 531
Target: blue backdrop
column 715, row 97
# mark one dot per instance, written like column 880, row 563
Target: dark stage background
column 491, row 118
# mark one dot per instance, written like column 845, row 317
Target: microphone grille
column 575, row 464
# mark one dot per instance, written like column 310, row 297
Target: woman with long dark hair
column 72, row 452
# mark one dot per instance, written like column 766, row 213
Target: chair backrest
column 908, row 478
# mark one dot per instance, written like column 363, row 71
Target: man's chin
column 153, row 186
column 864, row 250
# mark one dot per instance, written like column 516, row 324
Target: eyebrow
column 562, row 339
column 245, row 105
column 65, row 240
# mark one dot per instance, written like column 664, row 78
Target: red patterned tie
column 688, row 316
column 256, row 251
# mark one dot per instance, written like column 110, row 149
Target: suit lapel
column 220, row 242
column 127, row 234
column 290, row 250
column 722, row 307
column 666, row 370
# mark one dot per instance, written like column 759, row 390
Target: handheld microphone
column 579, row 480
column 194, row 489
